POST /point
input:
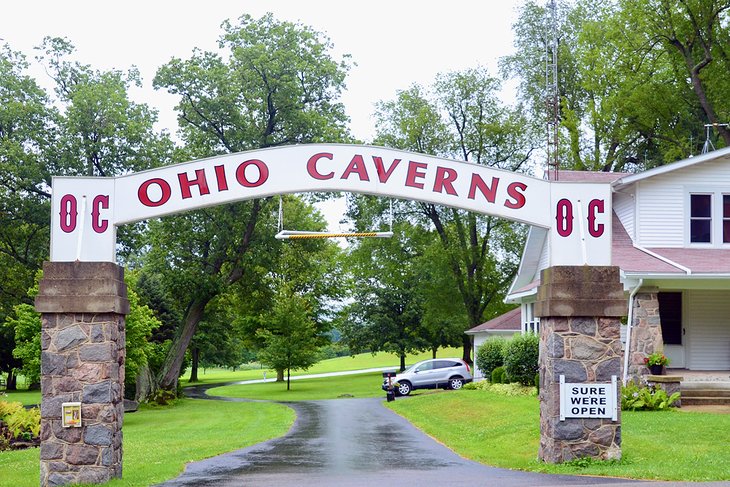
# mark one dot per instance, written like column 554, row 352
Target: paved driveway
column 357, row 442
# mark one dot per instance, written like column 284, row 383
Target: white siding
column 708, row 330
column 660, row 202
column 544, row 261
column 623, row 205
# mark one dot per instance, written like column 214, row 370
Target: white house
column 506, row 325
column 671, row 241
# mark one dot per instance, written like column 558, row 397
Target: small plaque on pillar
column 71, row 414
column 589, row 400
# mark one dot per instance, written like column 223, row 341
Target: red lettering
column 564, row 217
column 143, row 192
column 444, row 177
column 241, row 173
column 199, row 181
column 489, row 192
column 312, row 166
column 595, row 206
column 101, row 202
column 220, row 177
column 357, row 166
column 383, row 174
column 68, row 213
column 414, row 171
column 515, row 191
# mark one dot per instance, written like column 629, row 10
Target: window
column 709, row 218
column 700, row 218
column 726, row 218
column 530, row 322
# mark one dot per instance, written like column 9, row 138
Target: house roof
column 510, row 321
column 697, row 261
column 720, row 154
column 631, row 259
column 587, row 176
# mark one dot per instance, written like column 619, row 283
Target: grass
column 504, row 432
column 357, row 362
column 23, row 396
column 158, row 442
column 360, row 385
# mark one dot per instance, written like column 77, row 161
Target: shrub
column 521, row 358
column 499, row 375
column 490, row 355
column 25, row 423
column 646, row 398
column 8, row 409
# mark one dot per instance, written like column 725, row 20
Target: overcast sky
column 394, row 42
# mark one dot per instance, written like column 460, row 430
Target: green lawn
column 23, row 396
column 357, row 362
column 360, row 385
column 158, row 442
column 504, row 432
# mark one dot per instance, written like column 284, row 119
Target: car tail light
column 468, row 369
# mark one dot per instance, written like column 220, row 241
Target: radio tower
column 552, row 95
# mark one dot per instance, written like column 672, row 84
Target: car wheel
column 456, row 383
column 404, row 388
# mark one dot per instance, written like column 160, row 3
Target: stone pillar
column 82, row 306
column 580, row 311
column 646, row 331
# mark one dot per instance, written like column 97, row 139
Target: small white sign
column 591, row 400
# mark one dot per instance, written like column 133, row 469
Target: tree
column 26, row 119
column 695, row 34
column 26, row 322
column 637, row 80
column 290, row 337
column 276, row 84
column 481, row 252
column 90, row 128
column 388, row 308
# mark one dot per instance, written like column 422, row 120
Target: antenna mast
column 552, row 95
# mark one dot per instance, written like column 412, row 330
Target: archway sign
column 82, row 297
column 86, row 211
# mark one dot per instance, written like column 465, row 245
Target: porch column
column 82, row 306
column 646, row 332
column 580, row 310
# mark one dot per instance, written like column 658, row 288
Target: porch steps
column 705, row 393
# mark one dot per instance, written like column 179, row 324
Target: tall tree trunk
column 466, row 356
column 433, row 352
column 288, row 379
column 402, row 362
column 280, row 375
column 170, row 372
column 12, row 384
column 145, row 384
column 195, row 353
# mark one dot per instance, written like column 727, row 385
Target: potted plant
column 656, row 362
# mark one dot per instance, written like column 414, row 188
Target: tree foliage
column 461, row 117
column 273, row 83
column 637, row 80
column 289, row 334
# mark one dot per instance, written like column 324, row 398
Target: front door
column 670, row 314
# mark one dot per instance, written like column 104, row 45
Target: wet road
column 357, row 442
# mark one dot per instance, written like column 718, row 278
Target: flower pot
column 656, row 369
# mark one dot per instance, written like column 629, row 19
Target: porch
column 704, row 389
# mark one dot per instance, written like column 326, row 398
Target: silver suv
column 448, row 373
